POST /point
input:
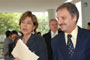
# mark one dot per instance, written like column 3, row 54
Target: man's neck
column 70, row 31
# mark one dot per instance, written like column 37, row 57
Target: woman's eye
column 22, row 22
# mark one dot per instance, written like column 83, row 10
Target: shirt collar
column 53, row 33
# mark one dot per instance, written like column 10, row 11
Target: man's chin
column 62, row 29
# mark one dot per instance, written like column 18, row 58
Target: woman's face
column 27, row 26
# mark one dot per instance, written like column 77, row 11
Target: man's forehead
column 53, row 21
column 62, row 12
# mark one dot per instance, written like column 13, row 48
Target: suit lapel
column 78, row 39
column 79, row 42
column 30, row 40
column 63, row 47
column 49, row 35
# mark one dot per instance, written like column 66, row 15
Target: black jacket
column 37, row 45
column 48, row 39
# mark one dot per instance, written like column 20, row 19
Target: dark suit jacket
column 37, row 45
column 48, row 39
column 82, row 49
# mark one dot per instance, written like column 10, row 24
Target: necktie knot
column 54, row 34
column 69, row 36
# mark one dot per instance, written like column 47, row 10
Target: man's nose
column 60, row 21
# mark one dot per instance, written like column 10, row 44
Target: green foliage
column 9, row 21
column 43, row 25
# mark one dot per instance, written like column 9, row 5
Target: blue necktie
column 70, row 46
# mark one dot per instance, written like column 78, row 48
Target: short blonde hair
column 52, row 20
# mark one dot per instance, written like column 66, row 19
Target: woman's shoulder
column 37, row 37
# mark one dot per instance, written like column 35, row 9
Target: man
column 6, row 43
column 53, row 24
column 88, row 25
column 77, row 45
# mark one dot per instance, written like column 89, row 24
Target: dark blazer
column 37, row 45
column 82, row 49
column 48, row 39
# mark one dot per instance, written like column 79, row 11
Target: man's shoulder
column 35, row 36
column 58, row 37
column 7, row 39
column 46, row 34
column 84, row 31
column 56, row 41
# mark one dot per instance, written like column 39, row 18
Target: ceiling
column 32, row 5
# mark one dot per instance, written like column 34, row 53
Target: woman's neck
column 25, row 38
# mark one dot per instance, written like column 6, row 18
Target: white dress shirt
column 74, row 36
column 52, row 33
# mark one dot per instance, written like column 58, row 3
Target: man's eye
column 28, row 23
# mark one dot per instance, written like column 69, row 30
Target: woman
column 28, row 24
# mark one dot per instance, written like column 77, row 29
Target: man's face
column 13, row 36
column 53, row 25
column 65, row 20
column 88, row 27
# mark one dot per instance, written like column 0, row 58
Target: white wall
column 85, row 12
column 78, row 5
column 2, row 37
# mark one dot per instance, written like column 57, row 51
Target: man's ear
column 75, row 18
